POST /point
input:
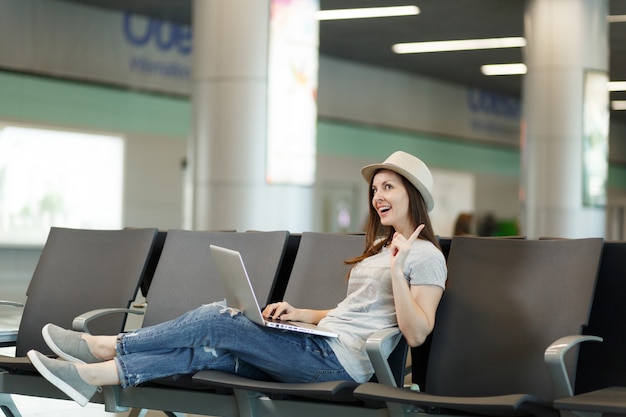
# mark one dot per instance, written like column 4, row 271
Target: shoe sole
column 56, row 381
column 55, row 348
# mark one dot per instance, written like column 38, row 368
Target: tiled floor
column 42, row 407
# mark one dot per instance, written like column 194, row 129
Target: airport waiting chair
column 419, row 354
column 610, row 401
column 78, row 270
column 509, row 303
column 312, row 286
column 318, row 281
column 601, row 372
column 185, row 278
column 603, row 365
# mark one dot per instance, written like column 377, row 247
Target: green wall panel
column 49, row 101
column 370, row 142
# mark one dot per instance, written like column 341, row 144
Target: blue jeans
column 216, row 337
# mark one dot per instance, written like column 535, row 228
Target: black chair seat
column 331, row 390
column 499, row 405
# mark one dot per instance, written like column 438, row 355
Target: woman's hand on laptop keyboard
column 280, row 311
column 285, row 311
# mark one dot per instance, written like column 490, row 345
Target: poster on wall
column 292, row 92
column 595, row 139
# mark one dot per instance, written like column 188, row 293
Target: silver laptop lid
column 237, row 285
column 240, row 294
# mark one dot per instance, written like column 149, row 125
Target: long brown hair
column 377, row 235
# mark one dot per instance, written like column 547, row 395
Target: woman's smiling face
column 391, row 201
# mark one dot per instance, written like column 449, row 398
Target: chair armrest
column 554, row 358
column 81, row 323
column 8, row 338
column 11, row 303
column 374, row 348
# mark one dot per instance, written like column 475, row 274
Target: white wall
column 399, row 100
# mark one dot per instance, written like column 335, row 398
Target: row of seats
column 509, row 303
column 83, row 272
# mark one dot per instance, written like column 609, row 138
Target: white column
column 227, row 150
column 565, row 40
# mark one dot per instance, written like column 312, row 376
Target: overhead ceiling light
column 503, row 69
column 458, row 45
column 616, row 19
column 617, row 85
column 618, row 105
column 369, row 12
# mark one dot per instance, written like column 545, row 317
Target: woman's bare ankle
column 98, row 374
column 102, row 347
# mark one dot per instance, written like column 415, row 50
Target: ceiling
column 369, row 40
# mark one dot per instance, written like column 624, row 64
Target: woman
column 397, row 281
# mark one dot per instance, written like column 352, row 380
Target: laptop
column 240, row 295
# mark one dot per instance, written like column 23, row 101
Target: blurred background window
column 58, row 178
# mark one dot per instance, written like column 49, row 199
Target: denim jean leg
column 136, row 368
column 192, row 329
column 283, row 355
column 216, row 337
column 295, row 357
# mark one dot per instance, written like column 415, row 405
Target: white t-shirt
column 369, row 305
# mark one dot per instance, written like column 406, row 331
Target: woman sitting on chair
column 397, row 282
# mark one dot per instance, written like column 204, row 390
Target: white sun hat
column 411, row 168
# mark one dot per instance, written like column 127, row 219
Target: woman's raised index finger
column 416, row 233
